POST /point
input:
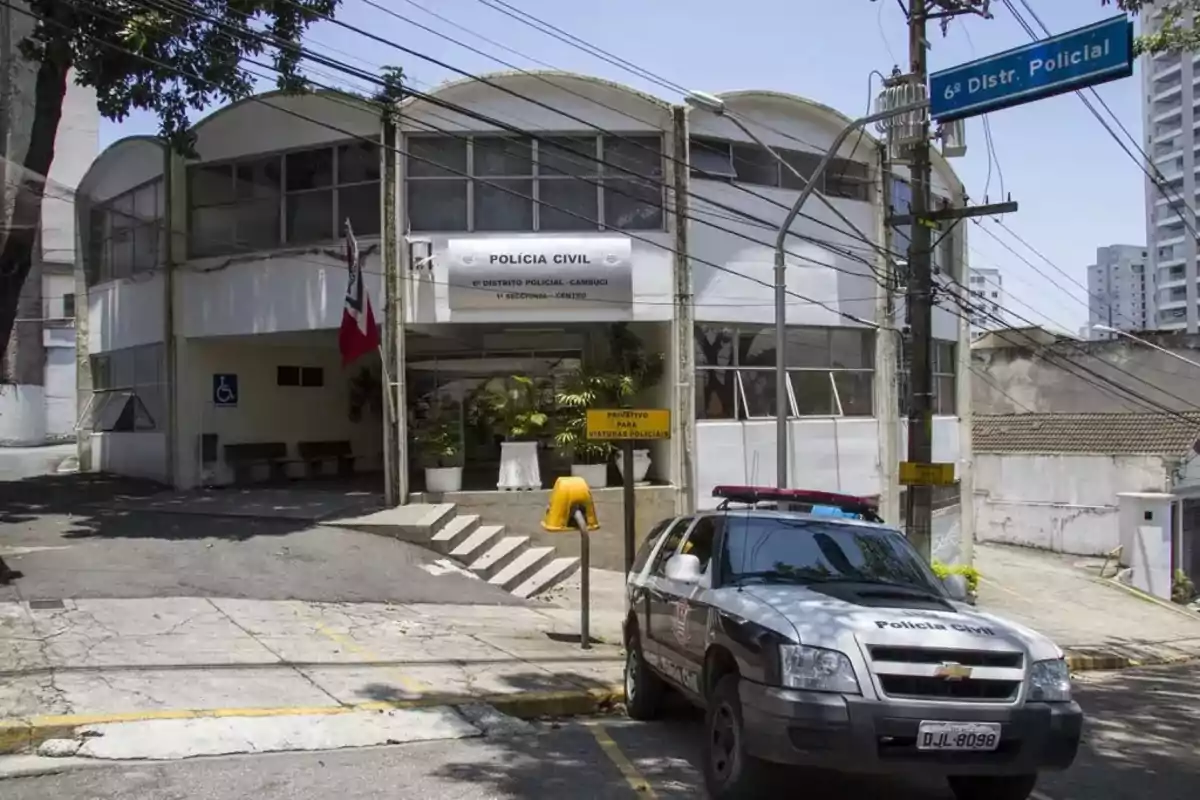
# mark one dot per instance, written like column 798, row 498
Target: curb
column 1098, row 661
column 23, row 735
column 1149, row 598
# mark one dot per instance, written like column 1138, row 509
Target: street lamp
column 1151, row 345
column 716, row 106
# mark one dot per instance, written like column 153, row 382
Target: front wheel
column 643, row 689
column 992, row 787
column 730, row 773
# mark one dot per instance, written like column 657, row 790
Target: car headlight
column 1050, row 681
column 816, row 669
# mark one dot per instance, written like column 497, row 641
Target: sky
column 1077, row 190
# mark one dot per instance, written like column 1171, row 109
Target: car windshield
column 779, row 549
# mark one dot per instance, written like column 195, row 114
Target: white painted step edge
column 501, row 553
column 548, row 577
column 521, row 568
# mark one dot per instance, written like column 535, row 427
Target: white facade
column 1122, row 292
column 1168, row 98
column 32, row 413
column 269, row 297
column 986, row 285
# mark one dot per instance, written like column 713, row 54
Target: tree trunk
column 18, row 241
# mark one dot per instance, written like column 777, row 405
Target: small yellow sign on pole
column 628, row 423
column 914, row 474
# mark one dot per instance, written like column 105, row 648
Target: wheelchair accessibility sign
column 225, row 390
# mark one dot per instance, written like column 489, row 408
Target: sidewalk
column 85, row 668
column 1101, row 625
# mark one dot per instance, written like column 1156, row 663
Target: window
column 292, row 198
column 643, row 554
column 125, row 234
column 68, row 305
column 830, row 372
column 554, row 183
column 129, row 390
column 308, row 377
column 720, row 159
column 944, row 369
column 674, row 537
column 702, row 540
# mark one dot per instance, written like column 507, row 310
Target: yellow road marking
column 406, row 683
column 1003, row 588
column 1041, row 796
column 619, row 760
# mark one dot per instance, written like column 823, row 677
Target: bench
column 314, row 454
column 244, row 458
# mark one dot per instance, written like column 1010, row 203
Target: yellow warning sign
column 914, row 474
column 629, row 423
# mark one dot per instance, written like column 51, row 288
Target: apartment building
column 1169, row 98
column 1122, row 291
column 987, row 300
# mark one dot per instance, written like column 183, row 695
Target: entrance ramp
column 516, row 564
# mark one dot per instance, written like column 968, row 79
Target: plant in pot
column 589, row 459
column 633, row 370
column 514, row 408
column 439, row 440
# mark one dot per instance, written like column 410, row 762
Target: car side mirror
column 956, row 587
column 683, row 568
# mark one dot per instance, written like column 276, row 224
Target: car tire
column 643, row 689
column 992, row 787
column 730, row 773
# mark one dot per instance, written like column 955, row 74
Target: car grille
column 912, row 673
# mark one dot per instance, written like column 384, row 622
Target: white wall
column 75, row 147
column 125, row 313
column 1064, row 503
column 837, row 455
column 139, row 455
column 60, row 388
column 266, row 412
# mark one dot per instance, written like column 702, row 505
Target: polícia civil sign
column 1072, row 60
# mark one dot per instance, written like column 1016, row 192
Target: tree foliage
column 1173, row 35
column 167, row 57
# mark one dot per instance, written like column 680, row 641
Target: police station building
column 536, row 243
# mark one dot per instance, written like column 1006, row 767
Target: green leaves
column 1172, row 34
column 171, row 57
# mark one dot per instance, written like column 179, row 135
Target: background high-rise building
column 987, row 299
column 1121, row 290
column 1168, row 96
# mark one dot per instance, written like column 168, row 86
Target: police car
column 814, row 635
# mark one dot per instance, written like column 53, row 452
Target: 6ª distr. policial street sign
column 1082, row 57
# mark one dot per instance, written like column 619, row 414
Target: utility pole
column 919, row 511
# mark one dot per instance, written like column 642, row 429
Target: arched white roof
column 507, row 77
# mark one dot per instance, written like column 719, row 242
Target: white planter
column 641, row 465
column 596, row 475
column 519, row 466
column 443, row 479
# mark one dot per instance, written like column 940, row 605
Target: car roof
column 804, row 516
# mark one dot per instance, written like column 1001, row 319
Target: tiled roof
column 1108, row 434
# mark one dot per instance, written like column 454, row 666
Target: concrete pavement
column 1140, row 743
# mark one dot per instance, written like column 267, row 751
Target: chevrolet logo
column 952, row 671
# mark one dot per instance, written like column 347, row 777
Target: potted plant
column 589, row 459
column 633, row 370
column 514, row 408
column 439, row 439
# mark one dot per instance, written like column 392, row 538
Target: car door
column 658, row 627
column 637, row 595
column 701, row 542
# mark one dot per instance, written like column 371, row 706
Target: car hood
column 823, row 621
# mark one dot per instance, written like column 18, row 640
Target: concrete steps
column 508, row 561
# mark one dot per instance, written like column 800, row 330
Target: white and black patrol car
column 815, row 635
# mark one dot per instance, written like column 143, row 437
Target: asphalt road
column 54, row 531
column 1142, row 742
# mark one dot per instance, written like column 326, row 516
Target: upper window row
column 125, row 234
column 718, row 159
column 556, row 183
column 299, row 197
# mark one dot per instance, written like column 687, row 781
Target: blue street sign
column 1078, row 58
column 225, row 390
